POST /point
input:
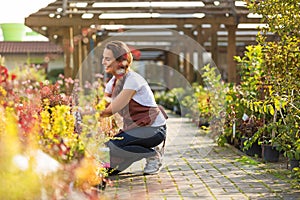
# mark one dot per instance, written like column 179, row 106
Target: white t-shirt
column 143, row 95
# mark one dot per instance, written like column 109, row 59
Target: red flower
column 135, row 53
column 13, row 77
column 52, row 93
column 45, row 91
column 125, row 56
column 3, row 74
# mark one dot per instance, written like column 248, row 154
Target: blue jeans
column 132, row 145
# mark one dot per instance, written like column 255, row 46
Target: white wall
column 18, row 60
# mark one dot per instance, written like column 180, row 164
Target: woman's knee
column 114, row 144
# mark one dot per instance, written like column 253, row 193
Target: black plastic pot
column 270, row 153
column 255, row 149
column 293, row 163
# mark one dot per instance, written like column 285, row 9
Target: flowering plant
column 3, row 74
column 40, row 117
column 51, row 95
column 58, row 137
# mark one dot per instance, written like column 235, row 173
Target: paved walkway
column 196, row 168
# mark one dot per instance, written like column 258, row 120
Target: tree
column 281, row 64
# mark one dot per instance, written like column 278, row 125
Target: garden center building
column 223, row 28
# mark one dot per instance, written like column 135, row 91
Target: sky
column 15, row 11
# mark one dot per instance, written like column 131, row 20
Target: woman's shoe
column 112, row 171
column 153, row 164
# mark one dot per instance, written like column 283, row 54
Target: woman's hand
column 118, row 103
column 106, row 113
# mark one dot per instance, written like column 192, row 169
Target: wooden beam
column 96, row 11
column 35, row 21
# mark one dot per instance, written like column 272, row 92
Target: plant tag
column 245, row 117
column 233, row 130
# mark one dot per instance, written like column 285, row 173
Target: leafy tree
column 281, row 64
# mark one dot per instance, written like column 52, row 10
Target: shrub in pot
column 269, row 150
column 251, row 96
column 281, row 63
column 288, row 137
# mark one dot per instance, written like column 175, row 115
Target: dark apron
column 136, row 115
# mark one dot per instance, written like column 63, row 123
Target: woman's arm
column 118, row 103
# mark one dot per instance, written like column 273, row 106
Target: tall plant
column 249, row 107
column 216, row 101
column 281, row 64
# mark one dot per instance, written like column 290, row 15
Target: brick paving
column 196, row 168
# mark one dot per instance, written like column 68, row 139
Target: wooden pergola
column 220, row 26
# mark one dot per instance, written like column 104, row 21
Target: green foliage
column 207, row 103
column 247, row 98
column 270, row 81
column 173, row 99
column 53, row 75
column 247, row 160
column 204, row 104
column 233, row 108
column 30, row 74
column 198, row 103
column 216, row 100
column 281, row 63
column 296, row 175
column 252, row 72
column 217, row 90
column 282, row 17
column 174, row 96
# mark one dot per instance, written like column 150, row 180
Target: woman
column 144, row 123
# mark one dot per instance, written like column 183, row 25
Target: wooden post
column 231, row 52
column 200, row 39
column 200, row 36
column 172, row 62
column 67, row 54
column 188, row 54
column 214, row 43
column 80, row 63
column 189, row 69
column 76, row 52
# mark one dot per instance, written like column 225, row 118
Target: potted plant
column 251, row 97
column 197, row 105
column 281, row 64
column 288, row 135
column 231, row 107
column 268, row 133
column 248, row 128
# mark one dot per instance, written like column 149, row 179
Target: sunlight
column 10, row 13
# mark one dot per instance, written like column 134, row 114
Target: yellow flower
column 101, row 105
column 14, row 168
column 87, row 174
column 58, row 124
column 3, row 91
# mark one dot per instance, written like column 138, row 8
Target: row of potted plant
column 48, row 150
column 270, row 80
column 203, row 103
column 263, row 109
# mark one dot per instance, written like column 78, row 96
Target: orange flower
column 88, row 173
